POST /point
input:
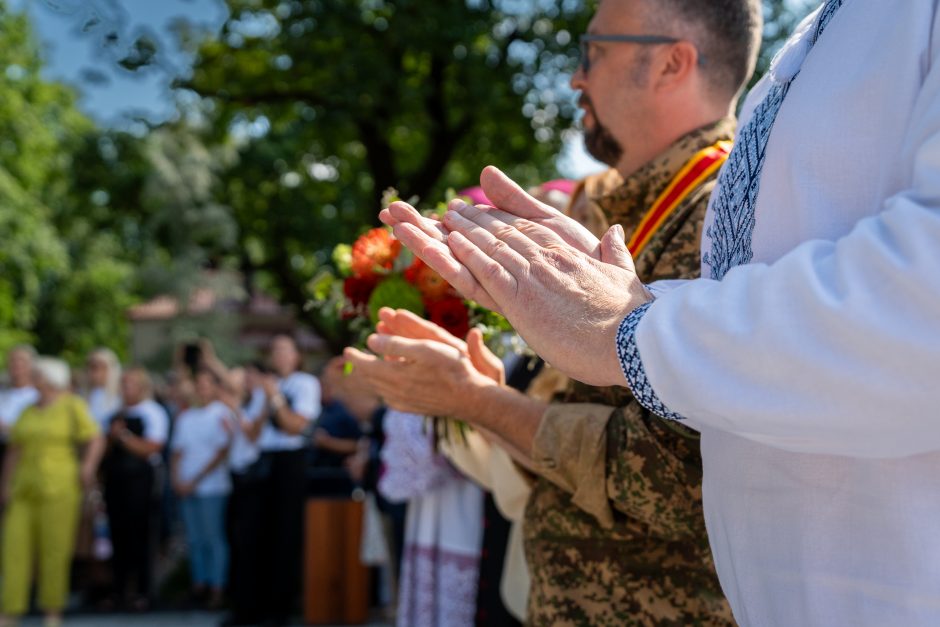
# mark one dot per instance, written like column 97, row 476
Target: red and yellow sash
column 701, row 166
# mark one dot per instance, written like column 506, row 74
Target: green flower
column 342, row 259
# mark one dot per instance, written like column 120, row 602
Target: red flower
column 358, row 289
column 431, row 285
column 373, row 250
column 451, row 314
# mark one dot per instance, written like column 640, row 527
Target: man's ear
column 677, row 65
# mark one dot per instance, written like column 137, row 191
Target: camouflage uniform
column 614, row 531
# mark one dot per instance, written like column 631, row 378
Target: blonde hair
column 54, row 372
column 113, row 386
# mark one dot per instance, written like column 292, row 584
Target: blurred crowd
column 107, row 468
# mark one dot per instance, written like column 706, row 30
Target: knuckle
column 495, row 247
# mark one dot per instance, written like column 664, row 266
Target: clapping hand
column 565, row 298
column 428, row 238
column 425, row 369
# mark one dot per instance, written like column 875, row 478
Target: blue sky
column 73, row 35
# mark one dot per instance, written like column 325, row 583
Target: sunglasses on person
column 587, row 40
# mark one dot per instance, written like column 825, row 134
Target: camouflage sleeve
column 570, row 450
column 653, row 473
column 622, row 460
column 618, row 457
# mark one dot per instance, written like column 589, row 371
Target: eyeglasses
column 631, row 39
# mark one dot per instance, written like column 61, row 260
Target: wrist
column 484, row 397
column 278, row 401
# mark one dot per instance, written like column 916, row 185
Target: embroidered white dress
column 443, row 527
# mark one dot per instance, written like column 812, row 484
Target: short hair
column 727, row 34
column 146, row 382
column 53, row 371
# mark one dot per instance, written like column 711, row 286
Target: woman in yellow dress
column 42, row 488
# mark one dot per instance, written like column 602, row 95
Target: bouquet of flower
column 375, row 271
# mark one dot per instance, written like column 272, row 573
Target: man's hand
column 566, row 304
column 431, row 374
column 270, row 386
column 403, row 323
column 427, row 238
column 511, row 203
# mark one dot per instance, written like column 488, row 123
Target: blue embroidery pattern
column 739, row 181
column 733, row 205
column 632, row 366
column 736, row 192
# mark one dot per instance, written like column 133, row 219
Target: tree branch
column 381, row 162
column 261, row 97
column 444, row 138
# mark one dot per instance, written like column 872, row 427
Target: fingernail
column 619, row 232
column 375, row 342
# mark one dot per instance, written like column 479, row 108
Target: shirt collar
column 617, row 196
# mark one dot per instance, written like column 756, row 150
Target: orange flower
column 373, row 251
column 431, row 285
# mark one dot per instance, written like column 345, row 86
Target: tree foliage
column 305, row 112
column 331, row 102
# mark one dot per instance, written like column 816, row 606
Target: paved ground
column 158, row 619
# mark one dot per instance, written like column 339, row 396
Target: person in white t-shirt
column 21, row 393
column 103, row 394
column 200, row 476
column 269, row 587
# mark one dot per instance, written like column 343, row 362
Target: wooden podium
column 336, row 584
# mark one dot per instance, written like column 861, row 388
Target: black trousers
column 131, row 511
column 267, row 530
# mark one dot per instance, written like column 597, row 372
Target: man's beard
column 598, row 141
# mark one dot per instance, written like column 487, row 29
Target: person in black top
column 137, row 434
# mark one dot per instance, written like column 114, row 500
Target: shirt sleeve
column 305, row 397
column 570, row 451
column 156, row 424
column 623, row 460
column 256, row 404
column 832, row 349
column 86, row 427
column 222, row 435
column 177, row 442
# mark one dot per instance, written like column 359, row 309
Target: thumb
column 483, row 358
column 506, row 194
column 614, row 249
